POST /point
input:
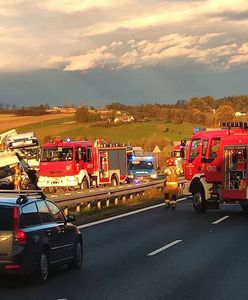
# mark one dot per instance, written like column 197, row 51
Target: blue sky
column 97, row 52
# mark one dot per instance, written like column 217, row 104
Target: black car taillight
column 19, row 235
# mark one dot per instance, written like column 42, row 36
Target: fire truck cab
column 81, row 164
column 216, row 166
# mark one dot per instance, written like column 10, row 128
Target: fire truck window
column 214, row 148
column 89, row 154
column 204, row 148
column 78, row 156
column 195, row 149
column 84, row 154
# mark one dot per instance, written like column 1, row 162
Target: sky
column 130, row 51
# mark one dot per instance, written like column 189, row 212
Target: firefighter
column 17, row 177
column 171, row 183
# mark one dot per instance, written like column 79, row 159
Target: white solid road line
column 120, row 216
column 124, row 215
column 181, row 199
column 220, row 220
column 164, row 248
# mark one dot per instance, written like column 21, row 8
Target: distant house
column 105, row 111
column 240, row 114
column 124, row 119
column 64, row 109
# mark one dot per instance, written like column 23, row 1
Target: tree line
column 205, row 111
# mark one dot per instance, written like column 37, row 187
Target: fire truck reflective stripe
column 220, row 220
column 164, row 248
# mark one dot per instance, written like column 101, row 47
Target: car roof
column 11, row 197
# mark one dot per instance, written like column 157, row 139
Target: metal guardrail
column 83, row 198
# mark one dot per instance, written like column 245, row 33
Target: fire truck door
column 193, row 162
column 104, row 164
column 212, row 163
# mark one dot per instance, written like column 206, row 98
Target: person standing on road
column 17, row 178
column 171, row 183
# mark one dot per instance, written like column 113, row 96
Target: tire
column 199, row 201
column 42, row 272
column 114, row 181
column 245, row 208
column 76, row 264
column 84, row 184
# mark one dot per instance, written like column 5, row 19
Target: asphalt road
column 155, row 254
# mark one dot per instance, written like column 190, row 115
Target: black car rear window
column 6, row 218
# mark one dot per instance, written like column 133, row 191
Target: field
column 10, row 121
column 153, row 132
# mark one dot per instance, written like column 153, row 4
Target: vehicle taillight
column 20, row 235
column 15, row 217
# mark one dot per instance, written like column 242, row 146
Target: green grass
column 44, row 124
column 127, row 133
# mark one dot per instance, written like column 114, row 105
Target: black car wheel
column 78, row 258
column 245, row 208
column 43, row 268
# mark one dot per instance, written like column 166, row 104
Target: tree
column 224, row 113
column 82, row 114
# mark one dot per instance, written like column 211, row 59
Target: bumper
column 18, row 265
column 65, row 181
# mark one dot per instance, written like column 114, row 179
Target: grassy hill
column 127, row 133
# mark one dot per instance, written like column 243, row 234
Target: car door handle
column 49, row 231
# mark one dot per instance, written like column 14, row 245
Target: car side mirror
column 71, row 218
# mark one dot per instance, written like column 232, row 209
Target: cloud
column 10, row 7
column 68, row 34
column 96, row 58
column 167, row 49
column 75, row 6
column 241, row 57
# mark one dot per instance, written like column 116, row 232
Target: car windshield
column 6, row 218
column 140, row 165
column 57, row 154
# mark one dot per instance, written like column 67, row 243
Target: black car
column 35, row 236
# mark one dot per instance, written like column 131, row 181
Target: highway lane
column 209, row 262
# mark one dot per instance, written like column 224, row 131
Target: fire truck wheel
column 114, row 180
column 84, row 184
column 199, row 201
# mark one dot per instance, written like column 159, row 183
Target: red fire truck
column 81, row 164
column 216, row 166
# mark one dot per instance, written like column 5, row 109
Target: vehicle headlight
column 153, row 175
column 130, row 176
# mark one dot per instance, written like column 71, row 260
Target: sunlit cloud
column 10, row 7
column 75, row 6
column 84, row 35
column 241, row 57
column 137, row 54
